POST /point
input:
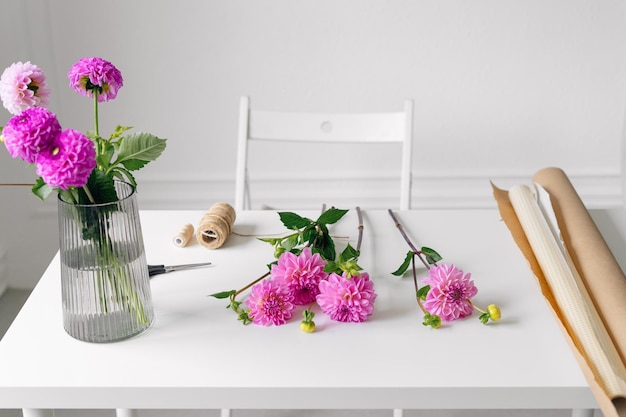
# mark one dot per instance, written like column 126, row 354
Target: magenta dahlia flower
column 450, row 292
column 31, row 132
column 347, row 299
column 22, row 86
column 301, row 274
column 70, row 162
column 270, row 303
column 89, row 74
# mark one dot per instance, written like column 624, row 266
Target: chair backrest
column 393, row 127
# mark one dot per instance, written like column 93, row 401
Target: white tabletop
column 197, row 355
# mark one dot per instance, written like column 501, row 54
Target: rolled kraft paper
column 216, row 225
column 600, row 271
column 583, row 322
column 183, row 237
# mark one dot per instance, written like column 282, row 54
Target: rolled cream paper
column 571, row 299
column 183, row 237
column 590, row 253
column 216, row 225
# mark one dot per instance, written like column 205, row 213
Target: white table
column 197, row 355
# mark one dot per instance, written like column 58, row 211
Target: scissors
column 162, row 269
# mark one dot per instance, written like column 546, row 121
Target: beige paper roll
column 216, row 225
column 183, row 237
column 589, row 334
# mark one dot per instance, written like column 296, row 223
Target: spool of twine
column 183, row 237
column 216, row 225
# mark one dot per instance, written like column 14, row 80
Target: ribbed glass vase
column 104, row 276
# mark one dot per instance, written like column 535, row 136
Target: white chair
column 258, row 125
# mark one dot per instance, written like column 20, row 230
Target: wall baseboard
column 451, row 191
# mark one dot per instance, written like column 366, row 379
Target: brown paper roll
column 590, row 253
column 216, row 225
column 596, row 266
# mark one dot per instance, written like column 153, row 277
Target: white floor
column 12, row 300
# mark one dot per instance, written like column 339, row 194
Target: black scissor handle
column 156, row 270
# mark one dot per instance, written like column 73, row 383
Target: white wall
column 501, row 89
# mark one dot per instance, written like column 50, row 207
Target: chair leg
column 37, row 412
column 398, row 412
column 582, row 412
column 225, row 412
column 126, row 412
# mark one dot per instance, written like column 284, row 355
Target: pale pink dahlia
column 89, row 74
column 347, row 299
column 31, row 132
column 70, row 162
column 450, row 292
column 270, row 303
column 300, row 274
column 22, row 86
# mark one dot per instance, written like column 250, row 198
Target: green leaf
column 290, row 242
column 293, row 221
column 308, row 315
column 223, row 294
column 101, row 187
column 119, row 131
column 348, row 253
column 139, row 146
column 484, row 318
column 330, row 216
column 423, row 292
column 41, row 189
column 123, row 175
column 405, row 265
column 326, row 247
column 432, row 257
column 271, row 240
column 134, row 164
column 331, row 266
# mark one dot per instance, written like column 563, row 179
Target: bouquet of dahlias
column 85, row 170
column 82, row 168
column 308, row 272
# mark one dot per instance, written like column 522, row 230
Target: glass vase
column 104, row 275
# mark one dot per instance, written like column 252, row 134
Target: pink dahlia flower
column 22, row 86
column 450, row 292
column 90, row 74
column 347, row 299
column 300, row 274
column 70, row 162
column 270, row 303
column 31, row 132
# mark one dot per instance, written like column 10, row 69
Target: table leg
column 225, row 412
column 37, row 412
column 398, row 412
column 126, row 412
column 582, row 412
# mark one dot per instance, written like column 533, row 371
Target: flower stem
column 476, row 307
column 89, row 195
column 406, row 238
column 419, row 303
column 95, row 111
column 360, row 215
column 249, row 285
